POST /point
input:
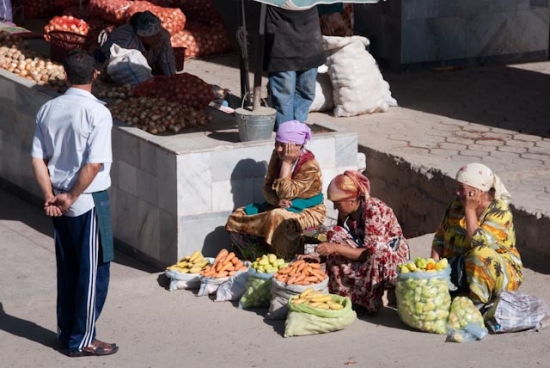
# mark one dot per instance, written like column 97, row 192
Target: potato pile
column 16, row 58
column 316, row 299
column 116, row 92
column 301, row 273
column 157, row 115
column 422, row 292
column 225, row 264
column 186, row 89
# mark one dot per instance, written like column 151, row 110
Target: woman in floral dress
column 365, row 247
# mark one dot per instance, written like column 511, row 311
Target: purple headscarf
column 293, row 131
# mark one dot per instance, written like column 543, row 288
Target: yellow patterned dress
column 491, row 260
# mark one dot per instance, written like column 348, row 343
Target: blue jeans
column 292, row 94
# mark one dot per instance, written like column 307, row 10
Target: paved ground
column 499, row 115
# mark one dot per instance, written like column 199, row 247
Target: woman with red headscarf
column 365, row 247
column 293, row 190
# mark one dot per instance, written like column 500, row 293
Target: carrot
column 291, row 280
column 285, row 271
column 222, row 254
column 302, row 266
column 235, row 260
column 231, row 273
column 229, row 257
column 316, row 266
column 300, row 277
column 312, row 279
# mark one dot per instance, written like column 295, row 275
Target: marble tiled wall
column 460, row 30
column 170, row 195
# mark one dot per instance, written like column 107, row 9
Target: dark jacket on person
column 293, row 40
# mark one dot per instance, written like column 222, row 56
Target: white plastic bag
column 209, row 285
column 513, row 311
column 233, row 289
column 128, row 66
column 357, row 84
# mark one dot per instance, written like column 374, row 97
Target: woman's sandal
column 96, row 348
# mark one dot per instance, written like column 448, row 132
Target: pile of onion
column 66, row 23
column 172, row 19
column 16, row 58
column 157, row 115
column 112, row 11
column 116, row 92
column 203, row 40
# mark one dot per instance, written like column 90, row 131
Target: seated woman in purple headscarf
column 294, row 200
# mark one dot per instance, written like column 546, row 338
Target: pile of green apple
column 258, row 288
column 423, row 298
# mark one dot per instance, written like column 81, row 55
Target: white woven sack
column 323, row 91
column 357, row 84
column 128, row 66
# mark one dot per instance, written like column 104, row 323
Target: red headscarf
column 349, row 185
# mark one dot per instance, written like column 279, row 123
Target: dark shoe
column 96, row 348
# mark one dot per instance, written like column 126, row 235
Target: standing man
column 294, row 51
column 71, row 160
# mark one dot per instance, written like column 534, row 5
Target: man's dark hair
column 79, row 67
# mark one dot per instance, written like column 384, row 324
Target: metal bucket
column 255, row 125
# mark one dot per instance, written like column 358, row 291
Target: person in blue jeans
column 294, row 51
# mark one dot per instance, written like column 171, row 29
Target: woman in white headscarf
column 477, row 236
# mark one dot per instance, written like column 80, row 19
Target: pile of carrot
column 225, row 264
column 301, row 273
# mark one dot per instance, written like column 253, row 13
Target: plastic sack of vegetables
column 225, row 266
column 260, row 273
column 308, row 317
column 233, row 289
column 465, row 321
column 258, row 290
column 292, row 280
column 422, row 293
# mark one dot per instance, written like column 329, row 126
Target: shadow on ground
column 27, row 329
column 479, row 95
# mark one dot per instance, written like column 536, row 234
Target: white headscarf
column 481, row 177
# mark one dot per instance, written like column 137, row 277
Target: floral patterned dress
column 379, row 233
column 491, row 260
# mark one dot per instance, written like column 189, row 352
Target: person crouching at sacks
column 477, row 236
column 144, row 33
column 293, row 190
column 365, row 247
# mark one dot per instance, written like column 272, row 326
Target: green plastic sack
column 423, row 300
column 303, row 320
column 258, row 290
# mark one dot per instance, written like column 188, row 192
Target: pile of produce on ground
column 422, row 291
column 184, row 274
column 301, row 273
column 258, row 287
column 17, row 58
